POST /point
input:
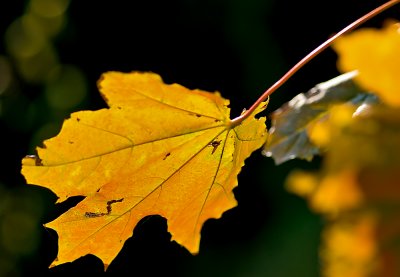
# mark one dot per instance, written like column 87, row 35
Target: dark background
column 239, row 48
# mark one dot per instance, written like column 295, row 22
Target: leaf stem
column 236, row 121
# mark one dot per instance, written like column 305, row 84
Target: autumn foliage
column 167, row 150
column 357, row 190
column 159, row 149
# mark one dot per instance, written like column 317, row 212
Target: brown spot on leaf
column 215, row 144
column 195, row 114
column 92, row 215
column 166, row 155
column 112, row 202
column 109, row 209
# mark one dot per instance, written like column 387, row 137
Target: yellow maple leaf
column 376, row 55
column 159, row 149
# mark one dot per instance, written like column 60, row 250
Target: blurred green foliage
column 36, row 92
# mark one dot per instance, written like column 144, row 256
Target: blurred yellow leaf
column 376, row 55
column 358, row 192
column 159, row 149
column 350, row 247
column 321, row 132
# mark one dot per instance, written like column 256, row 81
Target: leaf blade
column 180, row 163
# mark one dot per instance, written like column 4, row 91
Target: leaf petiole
column 236, row 121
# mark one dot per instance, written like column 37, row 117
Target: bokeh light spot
column 67, row 87
column 24, row 40
column 49, row 8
